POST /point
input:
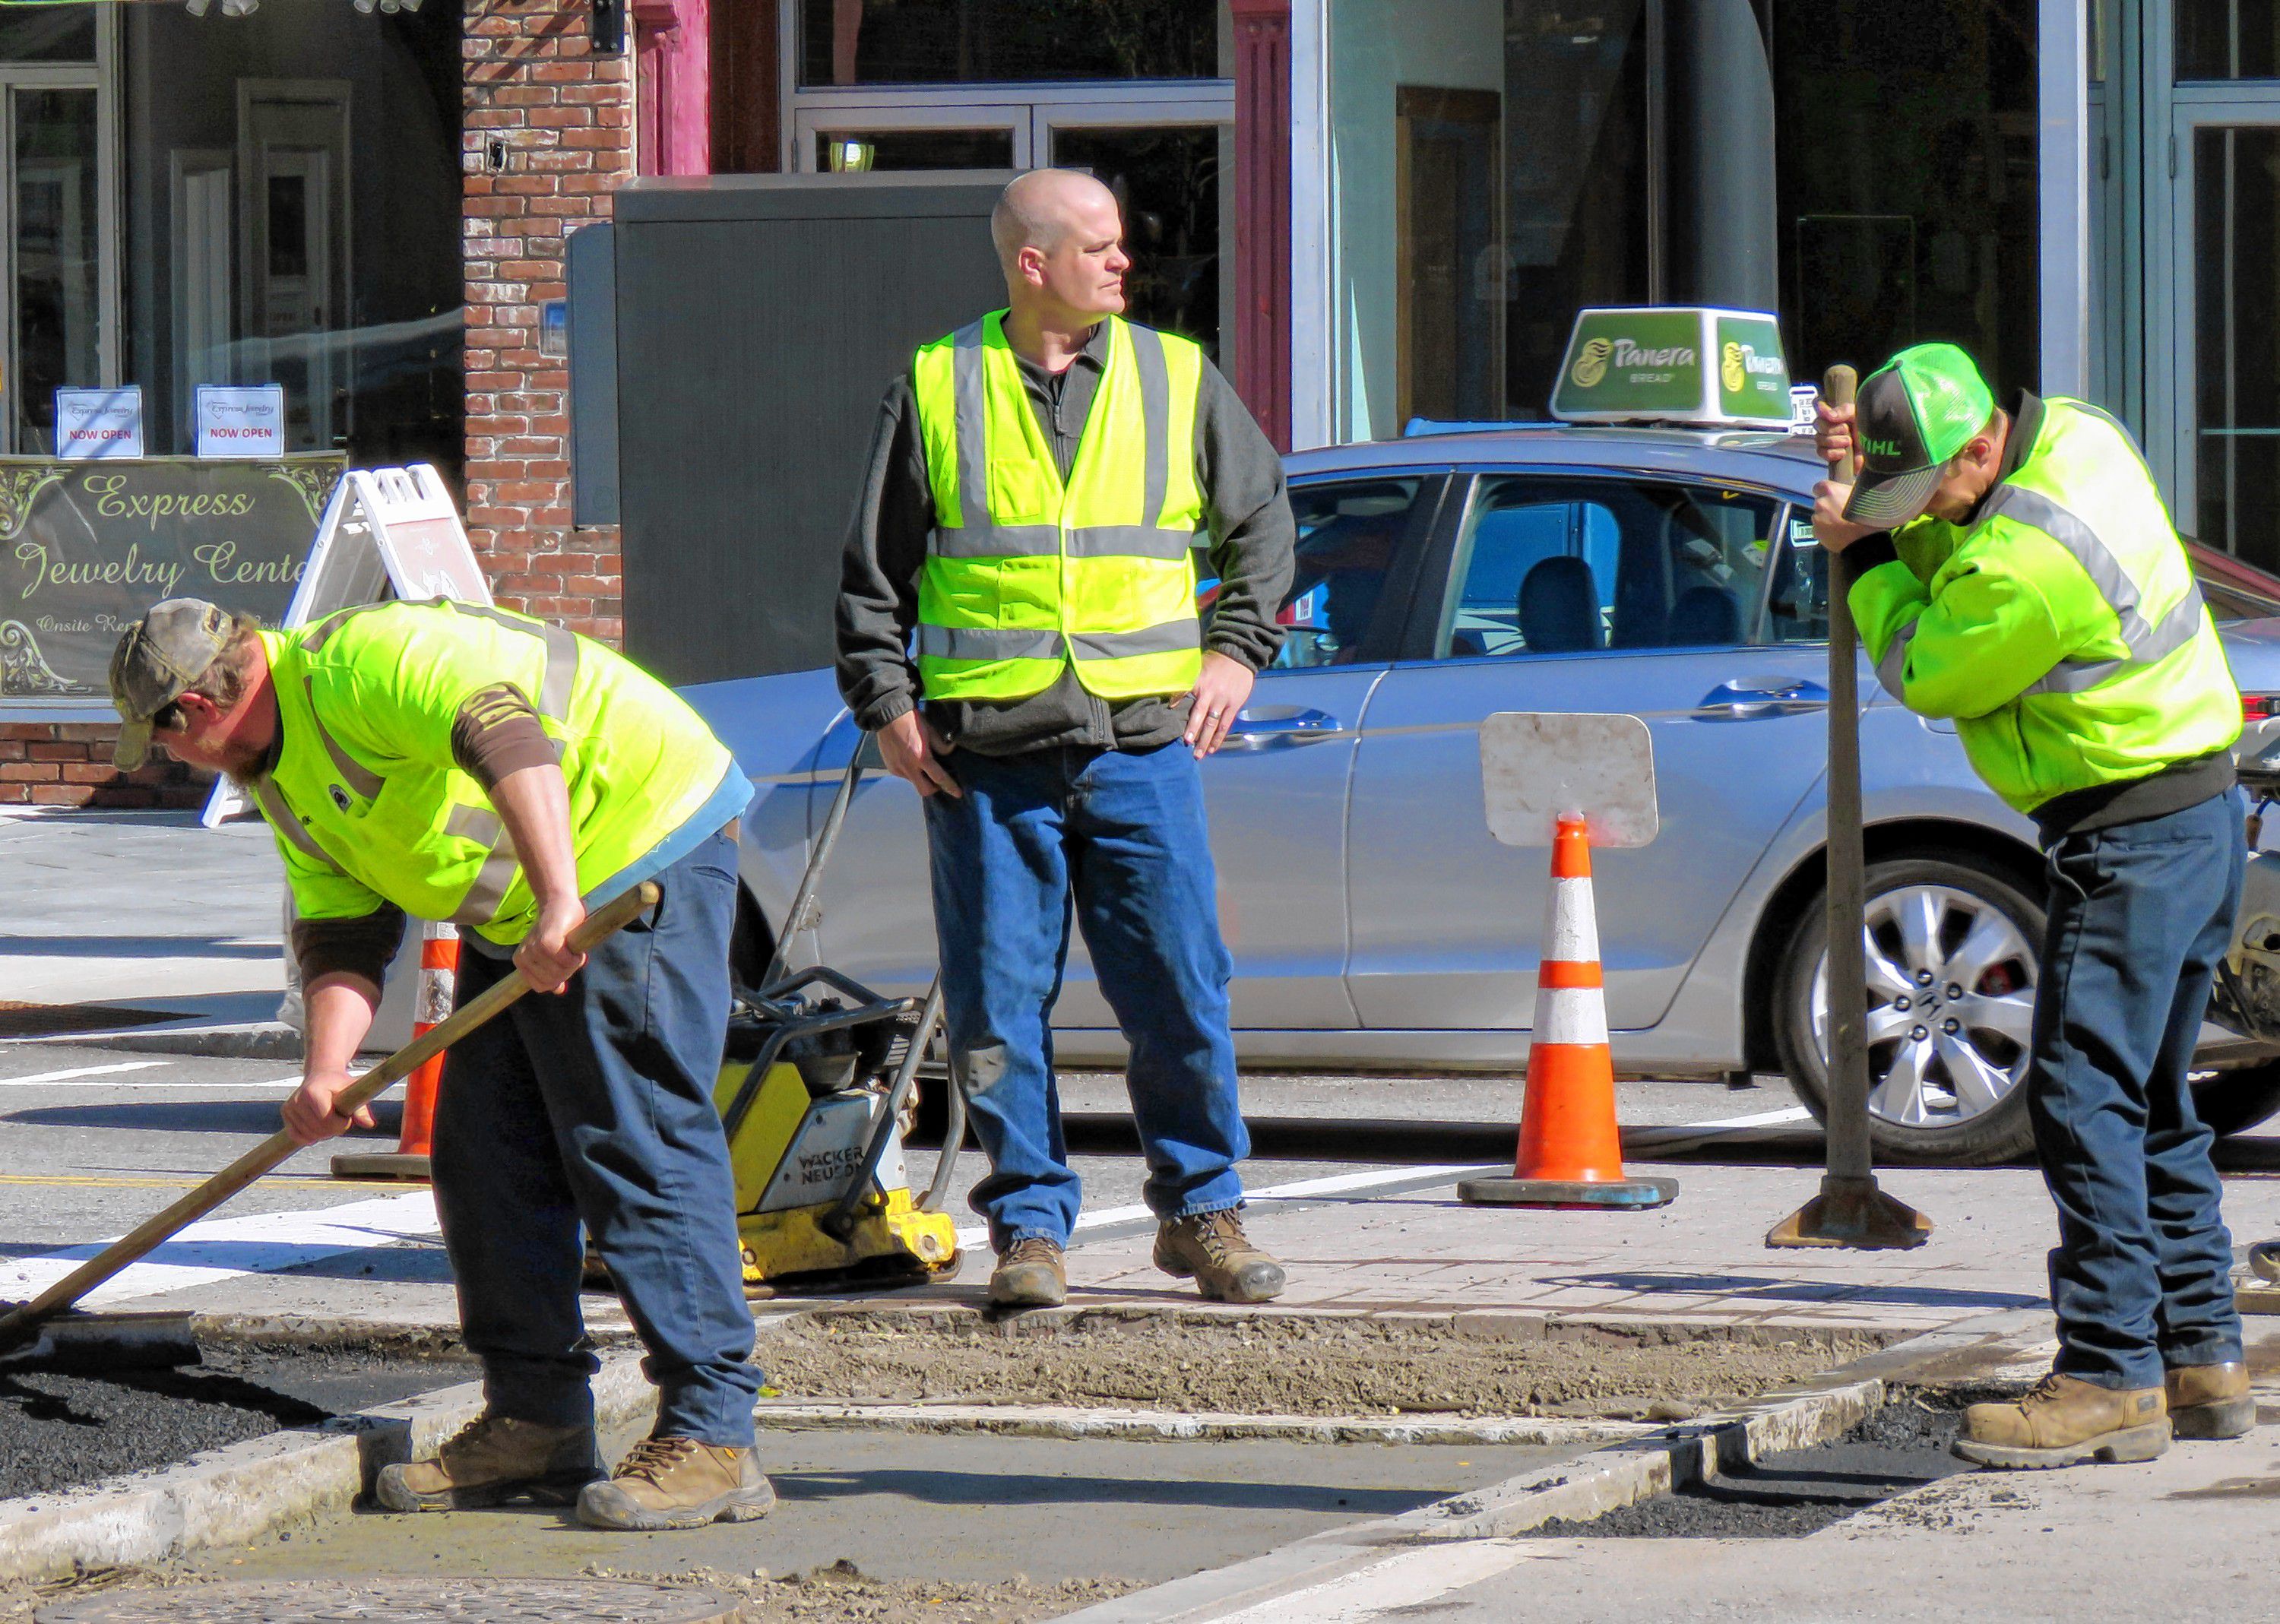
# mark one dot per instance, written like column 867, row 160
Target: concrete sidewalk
column 143, row 910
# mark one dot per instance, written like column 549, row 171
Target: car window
column 1555, row 565
column 1797, row 605
column 1349, row 532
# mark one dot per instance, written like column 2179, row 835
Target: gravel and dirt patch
column 843, row 1594
column 1283, row 1366
column 1790, row 1494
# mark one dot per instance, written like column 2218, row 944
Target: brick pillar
column 566, row 116
column 1262, row 203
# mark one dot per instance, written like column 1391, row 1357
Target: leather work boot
column 493, row 1460
column 2210, row 1401
column 1212, row 1247
column 679, row 1484
column 2064, row 1423
column 1030, row 1273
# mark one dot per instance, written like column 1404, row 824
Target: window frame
column 1420, row 632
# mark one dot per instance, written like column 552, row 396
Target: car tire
column 2237, row 1099
column 1925, row 909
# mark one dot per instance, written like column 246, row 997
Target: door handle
column 1749, row 699
column 1287, row 730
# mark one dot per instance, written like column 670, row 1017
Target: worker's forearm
column 535, row 806
column 337, row 1009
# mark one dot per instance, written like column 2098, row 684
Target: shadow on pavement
column 994, row 1489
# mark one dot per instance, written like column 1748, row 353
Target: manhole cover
column 20, row 1020
column 402, row 1601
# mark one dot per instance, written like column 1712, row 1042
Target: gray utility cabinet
column 759, row 320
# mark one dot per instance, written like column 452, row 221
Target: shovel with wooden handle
column 1850, row 1211
column 25, row 1324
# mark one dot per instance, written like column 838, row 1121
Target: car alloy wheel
column 1951, row 1006
column 1951, row 938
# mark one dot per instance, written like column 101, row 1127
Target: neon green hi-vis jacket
column 2060, row 626
column 368, row 803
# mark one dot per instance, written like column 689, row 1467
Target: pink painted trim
column 1262, row 212
column 672, row 87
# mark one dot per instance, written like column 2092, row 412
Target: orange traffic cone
column 439, row 975
column 1570, row 1153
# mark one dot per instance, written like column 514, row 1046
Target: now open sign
column 241, row 420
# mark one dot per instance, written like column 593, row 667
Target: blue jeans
column 595, row 1104
column 1121, row 834
column 2140, row 914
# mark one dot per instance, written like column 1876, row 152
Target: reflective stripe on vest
column 1026, row 572
column 2147, row 644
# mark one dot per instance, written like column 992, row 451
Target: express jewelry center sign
column 86, row 548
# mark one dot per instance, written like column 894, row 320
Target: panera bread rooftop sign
column 86, row 547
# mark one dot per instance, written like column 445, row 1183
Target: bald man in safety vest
column 1018, row 625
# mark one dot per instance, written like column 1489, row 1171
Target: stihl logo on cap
column 1882, row 448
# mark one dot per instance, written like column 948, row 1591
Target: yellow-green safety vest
column 367, row 805
column 2061, row 628
column 1024, row 573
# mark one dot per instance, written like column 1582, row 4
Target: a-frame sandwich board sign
column 387, row 534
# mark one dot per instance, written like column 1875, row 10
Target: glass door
column 2225, row 299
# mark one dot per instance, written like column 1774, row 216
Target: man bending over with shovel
column 461, row 763
column 2032, row 588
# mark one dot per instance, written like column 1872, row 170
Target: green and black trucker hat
column 1915, row 413
column 157, row 660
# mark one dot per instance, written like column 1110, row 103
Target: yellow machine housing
column 795, row 1152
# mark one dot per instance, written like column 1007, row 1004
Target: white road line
column 223, row 1247
column 1392, row 1587
column 1304, row 1189
column 1763, row 1119
column 79, row 1070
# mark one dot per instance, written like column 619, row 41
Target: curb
column 1072, row 1421
column 1615, row 1475
column 258, row 1040
column 238, row 1493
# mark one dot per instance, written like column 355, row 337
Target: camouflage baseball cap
column 157, row 659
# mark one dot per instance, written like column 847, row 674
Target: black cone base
column 1621, row 1195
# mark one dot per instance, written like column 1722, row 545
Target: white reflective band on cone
column 1571, row 931
column 1575, row 1015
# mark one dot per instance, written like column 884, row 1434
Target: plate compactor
column 816, row 1092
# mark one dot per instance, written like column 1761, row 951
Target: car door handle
column 1749, row 699
column 1282, row 730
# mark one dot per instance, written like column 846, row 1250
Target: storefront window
column 2228, row 39
column 57, row 310
column 1492, row 176
column 1907, row 182
column 292, row 209
column 52, row 33
column 933, row 42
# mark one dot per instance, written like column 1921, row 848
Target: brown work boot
column 493, row 1460
column 1212, row 1247
column 1029, row 1274
column 2210, row 1401
column 2067, row 1421
column 678, row 1483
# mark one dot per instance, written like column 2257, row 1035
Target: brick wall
column 566, row 116
column 68, row 764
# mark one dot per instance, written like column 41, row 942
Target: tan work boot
column 2064, row 1423
column 679, row 1484
column 1212, row 1247
column 493, row 1460
column 1030, row 1273
column 2209, row 1401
